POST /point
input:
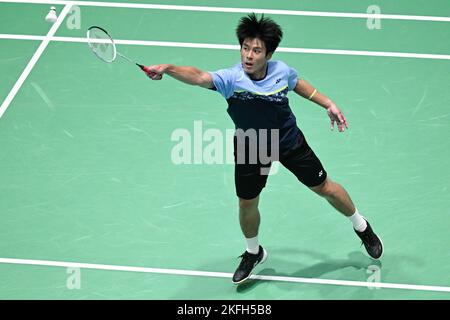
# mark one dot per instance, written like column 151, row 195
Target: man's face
column 253, row 57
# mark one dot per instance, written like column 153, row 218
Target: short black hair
column 264, row 29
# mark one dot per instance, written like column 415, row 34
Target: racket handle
column 145, row 69
column 149, row 73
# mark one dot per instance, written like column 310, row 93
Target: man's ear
column 269, row 55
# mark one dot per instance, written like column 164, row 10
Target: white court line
column 222, row 275
column 236, row 47
column 240, row 10
column 34, row 59
column 49, row 37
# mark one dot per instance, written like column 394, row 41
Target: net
column 101, row 44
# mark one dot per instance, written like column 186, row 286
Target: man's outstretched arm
column 189, row 75
column 306, row 90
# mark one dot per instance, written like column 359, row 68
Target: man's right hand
column 155, row 72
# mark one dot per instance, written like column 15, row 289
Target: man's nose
column 250, row 55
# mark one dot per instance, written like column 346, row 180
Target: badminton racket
column 103, row 46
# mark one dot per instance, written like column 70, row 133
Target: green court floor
column 86, row 174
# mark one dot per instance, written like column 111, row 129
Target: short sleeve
column 224, row 81
column 292, row 78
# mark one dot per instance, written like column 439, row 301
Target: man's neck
column 260, row 74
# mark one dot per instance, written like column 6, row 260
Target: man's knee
column 248, row 204
column 325, row 189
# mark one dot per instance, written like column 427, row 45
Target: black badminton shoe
column 248, row 263
column 371, row 241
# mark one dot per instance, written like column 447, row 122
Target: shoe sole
column 264, row 258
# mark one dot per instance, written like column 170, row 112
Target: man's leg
column 336, row 195
column 308, row 169
column 249, row 217
column 249, row 183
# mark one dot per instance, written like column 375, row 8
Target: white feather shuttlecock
column 51, row 16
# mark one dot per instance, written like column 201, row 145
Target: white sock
column 359, row 224
column 252, row 245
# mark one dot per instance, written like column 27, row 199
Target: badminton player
column 256, row 91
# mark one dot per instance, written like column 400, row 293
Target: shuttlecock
column 51, row 16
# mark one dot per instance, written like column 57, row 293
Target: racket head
column 101, row 44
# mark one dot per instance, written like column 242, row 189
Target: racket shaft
column 128, row 59
column 125, row 57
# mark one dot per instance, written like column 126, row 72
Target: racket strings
column 101, row 44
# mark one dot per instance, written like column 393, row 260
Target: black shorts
column 301, row 161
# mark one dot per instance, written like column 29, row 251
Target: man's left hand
column 337, row 116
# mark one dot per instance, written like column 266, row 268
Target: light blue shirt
column 279, row 76
column 261, row 104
